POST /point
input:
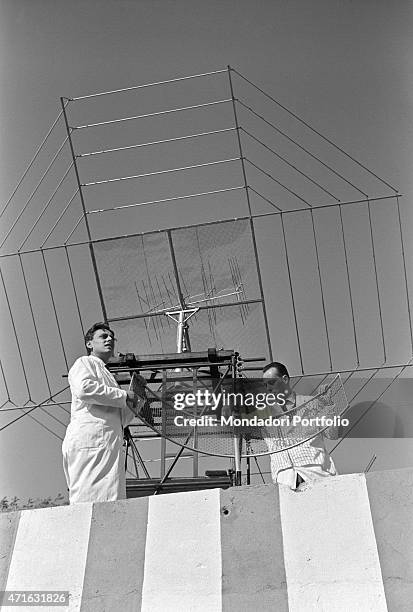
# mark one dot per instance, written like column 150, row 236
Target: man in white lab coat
column 93, row 455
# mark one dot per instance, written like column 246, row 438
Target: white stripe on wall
column 330, row 550
column 50, row 552
column 115, row 557
column 183, row 566
column 9, row 524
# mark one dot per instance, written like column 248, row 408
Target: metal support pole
column 89, row 235
column 126, row 435
column 182, row 335
column 237, row 437
column 163, row 421
column 254, row 241
column 195, row 456
column 237, row 454
column 185, row 334
column 130, row 445
column 180, row 332
column 248, row 448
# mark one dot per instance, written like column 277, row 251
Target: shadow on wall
column 382, row 421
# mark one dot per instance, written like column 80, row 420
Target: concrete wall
column 344, row 545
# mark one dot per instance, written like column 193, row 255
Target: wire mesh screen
column 136, row 274
column 217, row 262
column 207, row 418
column 305, row 421
column 211, row 267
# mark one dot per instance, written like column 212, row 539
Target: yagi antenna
column 182, row 310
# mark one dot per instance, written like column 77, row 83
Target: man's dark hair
column 91, row 332
column 280, row 367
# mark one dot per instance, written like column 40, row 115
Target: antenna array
column 204, row 193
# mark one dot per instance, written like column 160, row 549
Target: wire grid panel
column 47, row 298
column 330, row 277
column 217, row 262
column 211, row 429
column 304, row 422
column 212, row 267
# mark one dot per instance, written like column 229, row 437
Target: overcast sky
column 345, row 66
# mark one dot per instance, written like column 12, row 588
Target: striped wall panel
column 391, row 502
column 8, row 529
column 344, row 545
column 330, row 552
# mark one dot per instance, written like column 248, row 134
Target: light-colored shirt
column 309, row 453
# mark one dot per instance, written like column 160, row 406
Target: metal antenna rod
column 89, row 235
column 370, row 463
column 251, row 222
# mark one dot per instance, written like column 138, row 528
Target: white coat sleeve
column 127, row 416
column 88, row 386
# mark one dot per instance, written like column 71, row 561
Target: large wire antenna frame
column 277, row 216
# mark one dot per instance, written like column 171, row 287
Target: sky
column 346, row 67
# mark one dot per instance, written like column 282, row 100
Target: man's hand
column 324, row 390
column 138, row 385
